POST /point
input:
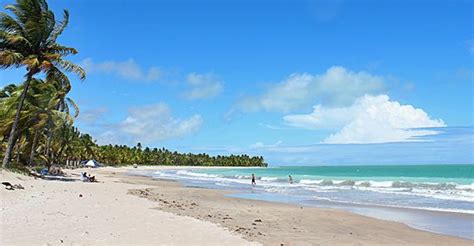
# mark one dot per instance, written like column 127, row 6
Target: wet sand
column 135, row 210
column 273, row 223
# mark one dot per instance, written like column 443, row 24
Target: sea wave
column 448, row 191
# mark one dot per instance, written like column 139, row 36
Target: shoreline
column 165, row 212
column 430, row 218
column 229, row 196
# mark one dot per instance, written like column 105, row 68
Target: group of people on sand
column 87, row 177
column 290, row 179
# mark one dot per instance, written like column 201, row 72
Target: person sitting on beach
column 91, row 178
column 253, row 179
column 84, row 177
column 290, row 179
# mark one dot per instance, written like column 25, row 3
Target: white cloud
column 155, row 122
column 370, row 119
column 92, row 115
column 260, row 145
column 274, row 127
column 128, row 69
column 282, row 97
column 337, row 86
column 203, row 86
column 149, row 124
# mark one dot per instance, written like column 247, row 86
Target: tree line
column 122, row 154
column 37, row 116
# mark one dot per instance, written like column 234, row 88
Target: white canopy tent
column 92, row 163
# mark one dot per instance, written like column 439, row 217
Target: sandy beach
column 135, row 210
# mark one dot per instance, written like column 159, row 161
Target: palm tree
column 28, row 38
column 39, row 111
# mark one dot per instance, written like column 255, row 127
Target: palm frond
column 9, row 24
column 62, row 50
column 10, row 58
column 15, row 39
column 31, row 62
column 59, row 79
column 59, row 28
column 74, row 105
column 71, row 67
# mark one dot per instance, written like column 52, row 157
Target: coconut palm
column 28, row 38
column 40, row 110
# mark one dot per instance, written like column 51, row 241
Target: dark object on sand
column 56, row 171
column 8, row 186
column 35, row 174
column 92, row 179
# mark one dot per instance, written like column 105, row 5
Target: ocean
column 437, row 198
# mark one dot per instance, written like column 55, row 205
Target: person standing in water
column 253, row 179
column 290, row 179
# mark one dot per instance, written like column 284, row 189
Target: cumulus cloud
column 337, row 86
column 148, row 124
column 203, row 86
column 370, row 119
column 155, row 122
column 128, row 69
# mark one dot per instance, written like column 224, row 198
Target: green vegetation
column 147, row 156
column 36, row 124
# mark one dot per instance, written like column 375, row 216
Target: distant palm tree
column 28, row 38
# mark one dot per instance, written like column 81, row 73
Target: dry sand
column 112, row 213
column 53, row 213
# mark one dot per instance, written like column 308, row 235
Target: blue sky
column 300, row 82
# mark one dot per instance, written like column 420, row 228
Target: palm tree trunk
column 18, row 148
column 11, row 138
column 49, row 154
column 33, row 146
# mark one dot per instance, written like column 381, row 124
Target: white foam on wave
column 310, row 181
column 451, row 210
column 443, row 191
column 270, row 179
column 190, row 173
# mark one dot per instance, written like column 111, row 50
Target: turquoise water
column 437, row 198
column 459, row 174
column 430, row 187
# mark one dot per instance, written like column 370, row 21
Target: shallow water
column 434, row 198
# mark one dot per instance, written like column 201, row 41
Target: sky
column 299, row 82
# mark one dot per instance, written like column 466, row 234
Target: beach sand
column 54, row 213
column 137, row 210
